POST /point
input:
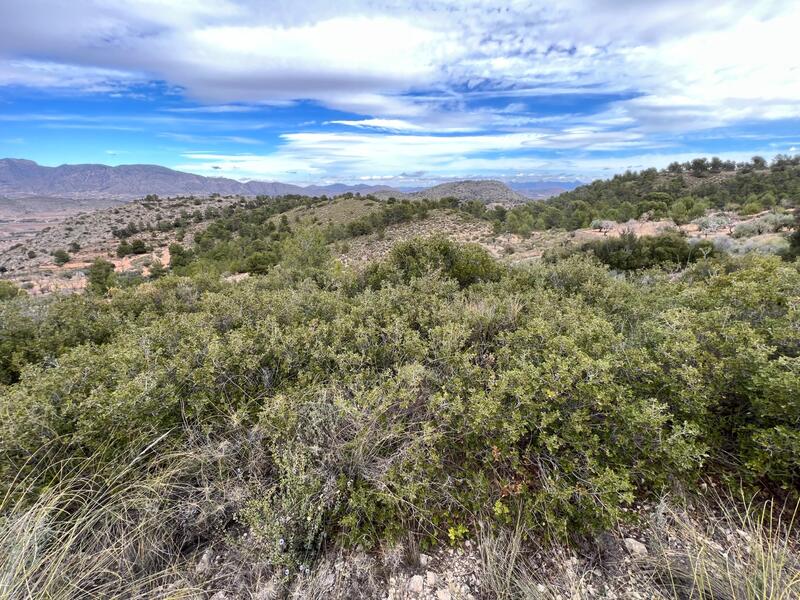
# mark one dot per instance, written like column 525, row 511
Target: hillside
column 25, row 180
column 487, row 192
column 677, row 193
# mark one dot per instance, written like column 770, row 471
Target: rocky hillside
column 485, row 191
column 488, row 192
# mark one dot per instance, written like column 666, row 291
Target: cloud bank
column 457, row 84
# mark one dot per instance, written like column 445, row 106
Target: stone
column 204, row 564
column 415, row 584
column 635, row 547
column 424, row 559
column 430, row 578
column 443, row 594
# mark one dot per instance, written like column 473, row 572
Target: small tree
column 157, row 270
column 138, row 247
column 100, row 276
column 602, row 226
column 699, row 167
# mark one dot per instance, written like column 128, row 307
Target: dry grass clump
column 727, row 550
column 135, row 533
column 709, row 548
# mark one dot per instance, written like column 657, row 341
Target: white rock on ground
column 415, row 584
column 635, row 547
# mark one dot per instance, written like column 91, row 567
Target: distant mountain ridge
column 20, row 178
column 23, row 180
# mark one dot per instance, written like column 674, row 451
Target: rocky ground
column 668, row 550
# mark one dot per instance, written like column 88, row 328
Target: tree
column 306, row 252
column 794, row 240
column 602, row 226
column 124, row 249
column 758, row 162
column 179, row 256
column 699, row 167
column 100, row 276
column 138, row 247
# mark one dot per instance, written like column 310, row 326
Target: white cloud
column 415, row 73
column 366, row 57
column 353, row 155
column 391, row 124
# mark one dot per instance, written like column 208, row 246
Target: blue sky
column 397, row 92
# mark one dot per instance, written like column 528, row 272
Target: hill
column 680, row 193
column 486, row 191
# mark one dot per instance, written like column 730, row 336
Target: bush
column 61, row 257
column 467, row 264
column 8, row 290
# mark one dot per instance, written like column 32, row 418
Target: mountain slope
column 487, row 191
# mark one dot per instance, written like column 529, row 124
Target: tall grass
column 98, row 535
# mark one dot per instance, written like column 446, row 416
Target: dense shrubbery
column 435, row 386
column 628, row 252
column 660, row 195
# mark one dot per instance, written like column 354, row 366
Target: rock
column 415, row 584
column 635, row 547
column 424, row 559
column 204, row 564
column 219, row 596
column 430, row 578
column 443, row 594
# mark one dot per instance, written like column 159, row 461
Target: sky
column 398, row 92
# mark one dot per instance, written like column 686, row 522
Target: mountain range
column 21, row 178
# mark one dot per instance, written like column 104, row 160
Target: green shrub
column 435, row 386
column 8, row 291
column 61, row 257
column 629, row 252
